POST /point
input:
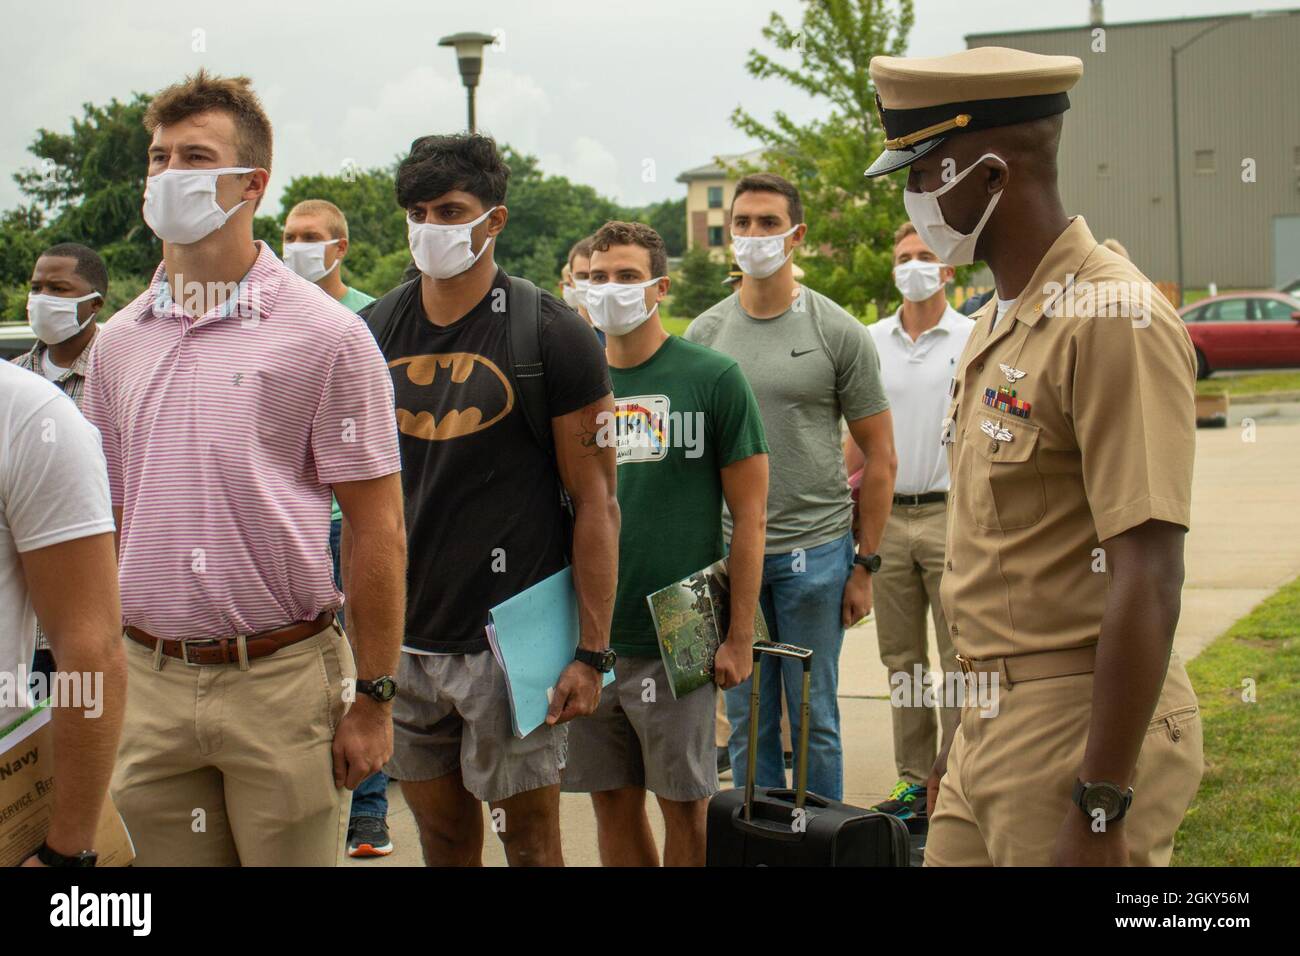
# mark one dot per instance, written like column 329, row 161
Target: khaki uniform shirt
column 1072, row 421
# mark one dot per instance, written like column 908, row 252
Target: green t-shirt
column 356, row 300
column 682, row 415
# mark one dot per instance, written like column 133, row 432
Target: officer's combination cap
column 924, row 100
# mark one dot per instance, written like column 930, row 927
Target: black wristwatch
column 1103, row 796
column 55, row 858
column 869, row 561
column 382, row 689
column 602, row 661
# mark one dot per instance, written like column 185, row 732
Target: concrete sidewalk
column 1244, row 544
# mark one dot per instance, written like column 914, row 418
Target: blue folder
column 533, row 637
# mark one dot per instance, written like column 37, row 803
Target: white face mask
column 918, row 280
column 53, row 318
column 618, row 309
column 180, row 205
column 948, row 244
column 575, row 296
column 761, row 256
column 444, row 251
column 308, row 259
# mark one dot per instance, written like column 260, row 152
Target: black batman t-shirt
column 483, row 520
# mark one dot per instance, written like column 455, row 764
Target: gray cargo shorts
column 452, row 713
column 640, row 736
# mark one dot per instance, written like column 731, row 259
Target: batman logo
column 447, row 395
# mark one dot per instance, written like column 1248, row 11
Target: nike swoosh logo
column 794, row 354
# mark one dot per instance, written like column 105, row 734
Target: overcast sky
column 595, row 89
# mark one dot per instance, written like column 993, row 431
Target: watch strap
column 602, row 661
column 50, row 857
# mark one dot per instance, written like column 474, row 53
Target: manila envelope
column 27, row 796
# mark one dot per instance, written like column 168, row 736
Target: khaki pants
column 220, row 766
column 1010, row 778
column 904, row 590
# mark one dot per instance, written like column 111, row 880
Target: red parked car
column 1244, row 330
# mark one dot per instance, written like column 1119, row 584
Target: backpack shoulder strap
column 524, row 315
column 379, row 314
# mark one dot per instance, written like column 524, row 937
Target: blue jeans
column 801, row 599
column 370, row 799
column 336, row 537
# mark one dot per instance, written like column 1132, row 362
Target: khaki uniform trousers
column 1011, row 777
column 221, row 766
column 903, row 591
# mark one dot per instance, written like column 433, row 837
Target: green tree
column 548, row 214
column 851, row 219
column 668, row 218
column 699, row 285
column 376, row 224
column 90, row 185
column 20, row 244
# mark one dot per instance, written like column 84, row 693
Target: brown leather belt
column 225, row 650
column 1039, row 666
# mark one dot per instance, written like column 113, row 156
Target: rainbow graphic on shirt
column 641, row 422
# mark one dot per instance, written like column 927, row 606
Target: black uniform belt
column 929, row 498
column 1039, row 666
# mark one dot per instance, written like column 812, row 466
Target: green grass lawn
column 1243, row 386
column 1247, row 812
column 675, row 326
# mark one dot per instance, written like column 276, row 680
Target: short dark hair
column 439, row 164
column 89, row 264
column 580, row 248
column 772, row 183
column 615, row 233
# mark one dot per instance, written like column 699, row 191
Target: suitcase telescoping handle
column 804, row 656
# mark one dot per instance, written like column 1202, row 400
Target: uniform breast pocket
column 1006, row 490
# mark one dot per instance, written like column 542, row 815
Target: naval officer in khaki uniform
column 1071, row 433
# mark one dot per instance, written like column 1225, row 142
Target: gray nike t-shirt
column 808, row 367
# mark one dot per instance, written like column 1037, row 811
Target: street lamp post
column 469, row 57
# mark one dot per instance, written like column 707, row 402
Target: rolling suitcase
column 758, row 826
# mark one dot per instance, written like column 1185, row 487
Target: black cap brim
column 894, row 159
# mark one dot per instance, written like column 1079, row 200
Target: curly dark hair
column 615, row 233
column 439, row 164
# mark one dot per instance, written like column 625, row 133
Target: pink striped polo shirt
column 223, row 435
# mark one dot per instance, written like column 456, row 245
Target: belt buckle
column 965, row 665
column 186, row 645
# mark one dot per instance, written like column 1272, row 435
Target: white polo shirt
column 917, row 376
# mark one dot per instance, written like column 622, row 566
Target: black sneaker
column 906, row 801
column 368, row 836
